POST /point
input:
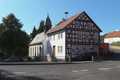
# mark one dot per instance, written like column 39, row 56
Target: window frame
column 87, row 48
column 80, row 33
column 60, row 49
column 86, row 35
column 76, row 23
column 54, row 37
column 96, row 36
column 89, row 24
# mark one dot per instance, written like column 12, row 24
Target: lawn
column 116, row 44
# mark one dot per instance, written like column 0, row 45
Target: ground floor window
column 80, row 49
column 86, row 49
column 60, row 49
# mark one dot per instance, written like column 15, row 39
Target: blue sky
column 105, row 13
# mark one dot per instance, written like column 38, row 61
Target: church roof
column 63, row 24
column 39, row 38
column 47, row 21
column 113, row 34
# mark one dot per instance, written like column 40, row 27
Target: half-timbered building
column 72, row 37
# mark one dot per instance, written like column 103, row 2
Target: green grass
column 116, row 44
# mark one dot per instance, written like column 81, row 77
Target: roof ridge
column 63, row 24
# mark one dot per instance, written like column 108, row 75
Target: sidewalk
column 42, row 63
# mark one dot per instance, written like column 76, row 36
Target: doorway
column 53, row 51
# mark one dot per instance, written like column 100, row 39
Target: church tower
column 47, row 24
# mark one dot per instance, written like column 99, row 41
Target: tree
column 33, row 34
column 102, row 37
column 39, row 30
column 41, row 27
column 12, row 38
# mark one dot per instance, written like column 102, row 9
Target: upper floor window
column 50, row 38
column 89, row 24
column 96, row 35
column 77, row 23
column 87, row 35
column 79, row 34
column 60, row 35
column 53, row 37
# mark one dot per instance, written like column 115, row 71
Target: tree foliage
column 41, row 27
column 39, row 30
column 12, row 38
column 102, row 37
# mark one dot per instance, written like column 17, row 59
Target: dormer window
column 89, row 24
column 77, row 23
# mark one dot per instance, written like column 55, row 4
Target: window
column 50, row 38
column 79, row 34
column 53, row 37
column 73, row 49
column 96, row 35
column 60, row 49
column 89, row 24
column 77, row 23
column 86, row 49
column 87, row 35
column 60, row 35
column 96, row 49
column 80, row 49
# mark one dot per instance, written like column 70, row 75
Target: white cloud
column 117, row 30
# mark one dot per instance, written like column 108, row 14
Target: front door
column 53, row 51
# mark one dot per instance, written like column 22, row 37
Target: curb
column 43, row 63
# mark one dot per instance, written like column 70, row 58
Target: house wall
column 111, row 40
column 104, row 48
column 73, row 39
column 35, row 50
column 57, row 42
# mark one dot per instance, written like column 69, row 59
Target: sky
column 105, row 13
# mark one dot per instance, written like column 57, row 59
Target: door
column 53, row 51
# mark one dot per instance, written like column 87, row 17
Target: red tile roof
column 113, row 34
column 63, row 24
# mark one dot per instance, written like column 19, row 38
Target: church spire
column 47, row 24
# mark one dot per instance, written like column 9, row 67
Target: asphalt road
column 105, row 70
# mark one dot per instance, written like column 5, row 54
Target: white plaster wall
column 57, row 42
column 111, row 40
column 32, row 53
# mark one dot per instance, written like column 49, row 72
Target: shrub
column 36, row 58
column 29, row 58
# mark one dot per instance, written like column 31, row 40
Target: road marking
column 51, row 71
column 44, row 72
column 104, row 68
column 19, row 72
column 75, row 71
column 118, row 66
column 85, row 70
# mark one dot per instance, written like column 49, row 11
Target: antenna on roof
column 66, row 14
column 48, row 13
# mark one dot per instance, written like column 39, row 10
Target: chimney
column 63, row 19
